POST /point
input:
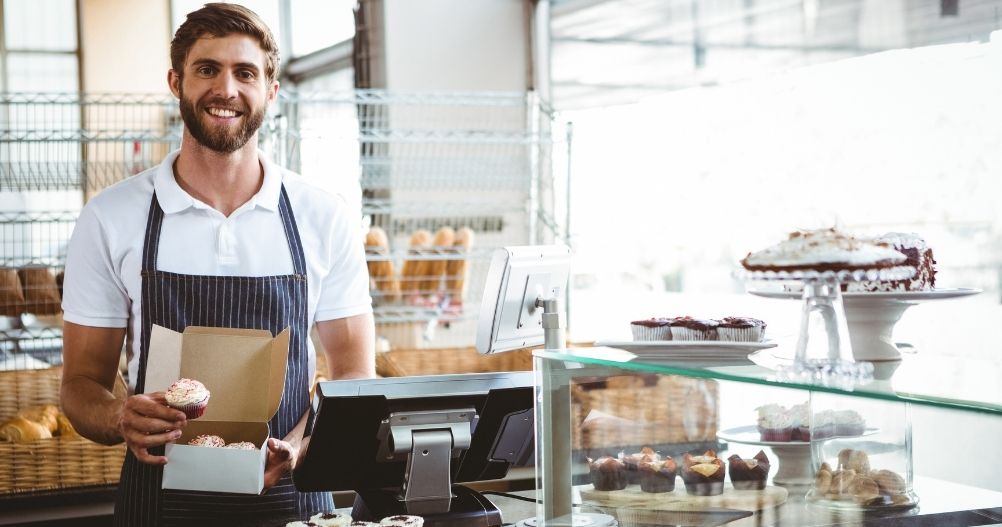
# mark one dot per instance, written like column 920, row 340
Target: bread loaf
column 410, row 276
column 64, row 428
column 11, row 294
column 381, row 271
column 21, row 430
column 41, row 293
column 46, row 416
column 435, row 269
column 456, row 270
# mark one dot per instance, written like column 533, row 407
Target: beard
column 219, row 139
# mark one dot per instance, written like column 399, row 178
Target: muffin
column 688, row 328
column 363, row 524
column 402, row 520
column 774, row 424
column 242, row 445
column 608, row 473
column 740, row 329
column 849, row 423
column 651, row 329
column 331, row 519
column 189, row 396
column 658, row 475
column 207, row 440
column 301, row 524
column 800, row 421
column 703, row 475
column 748, row 474
column 633, row 461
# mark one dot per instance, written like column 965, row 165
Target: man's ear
column 174, row 82
column 272, row 92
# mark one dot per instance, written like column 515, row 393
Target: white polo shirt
column 103, row 281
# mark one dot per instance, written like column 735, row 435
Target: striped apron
column 176, row 301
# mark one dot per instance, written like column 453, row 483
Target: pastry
column 703, row 475
column 688, row 328
column 21, row 430
column 331, row 519
column 917, row 254
column 412, row 272
column 608, row 473
column 41, row 293
column 888, row 481
column 823, row 250
column 209, row 440
column 434, row 269
column 748, row 474
column 863, row 488
column 774, row 424
column 47, row 416
column 64, row 428
column 823, row 480
column 363, row 524
column 651, row 329
column 11, row 293
column 855, row 460
column 189, row 396
column 740, row 329
column 456, row 270
column 242, row 445
column 657, row 475
column 381, row 273
column 402, row 521
column 633, row 461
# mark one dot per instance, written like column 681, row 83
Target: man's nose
column 225, row 86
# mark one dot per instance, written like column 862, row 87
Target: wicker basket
column 49, row 464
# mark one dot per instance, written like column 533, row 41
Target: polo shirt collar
column 174, row 199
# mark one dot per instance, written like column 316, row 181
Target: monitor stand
column 467, row 508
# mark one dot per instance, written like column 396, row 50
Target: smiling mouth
column 222, row 112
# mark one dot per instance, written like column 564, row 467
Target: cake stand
column 824, row 350
column 871, row 316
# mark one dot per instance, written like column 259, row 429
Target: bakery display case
column 825, row 455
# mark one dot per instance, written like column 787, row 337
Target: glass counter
column 733, row 443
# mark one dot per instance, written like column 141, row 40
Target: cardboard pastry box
column 244, row 371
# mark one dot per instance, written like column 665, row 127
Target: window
column 38, row 52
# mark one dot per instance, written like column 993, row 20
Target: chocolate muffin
column 633, row 461
column 748, row 474
column 703, row 475
column 608, row 473
column 740, row 329
column 658, row 475
column 651, row 329
column 688, row 328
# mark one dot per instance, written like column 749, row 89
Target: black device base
column 468, row 508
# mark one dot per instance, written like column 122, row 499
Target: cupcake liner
column 194, row 410
column 753, row 334
column 644, row 333
column 681, row 333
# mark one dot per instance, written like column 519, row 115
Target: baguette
column 410, row 280
column 456, row 270
column 381, row 272
column 434, row 269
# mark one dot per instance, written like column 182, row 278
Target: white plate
column 688, row 349
column 749, row 435
column 904, row 296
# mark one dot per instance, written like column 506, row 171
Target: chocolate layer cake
column 823, row 250
column 917, row 254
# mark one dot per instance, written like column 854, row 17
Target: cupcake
column 402, row 521
column 651, row 329
column 363, row 524
column 774, row 424
column 703, row 475
column 633, row 461
column 301, row 524
column 800, row 421
column 748, row 474
column 331, row 519
column 207, row 440
column 658, row 475
column 823, row 425
column 740, row 329
column 849, row 423
column 608, row 473
column 242, row 445
column 688, row 328
column 189, row 396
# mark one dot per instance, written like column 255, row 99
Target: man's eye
column 205, row 70
column 246, row 74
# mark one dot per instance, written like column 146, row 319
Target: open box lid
column 243, row 369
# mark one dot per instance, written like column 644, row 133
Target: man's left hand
column 281, row 461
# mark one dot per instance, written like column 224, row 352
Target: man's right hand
column 146, row 422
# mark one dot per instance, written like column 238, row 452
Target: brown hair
column 220, row 20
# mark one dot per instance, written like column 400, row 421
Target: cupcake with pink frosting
column 189, row 396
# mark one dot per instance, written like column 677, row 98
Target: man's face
column 224, row 91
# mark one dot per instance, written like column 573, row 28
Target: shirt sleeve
column 93, row 291
column 345, row 288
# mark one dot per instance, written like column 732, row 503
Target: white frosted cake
column 823, row 250
column 917, row 254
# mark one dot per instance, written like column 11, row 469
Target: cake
column 651, row 329
column 608, row 473
column 402, row 520
column 242, row 445
column 823, row 426
column 207, row 440
column 657, row 475
column 189, row 396
column 740, row 329
column 703, row 475
column 917, row 254
column 331, row 519
column 774, row 424
column 823, row 250
column 688, row 328
column 633, row 461
column 748, row 474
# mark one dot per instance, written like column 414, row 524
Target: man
column 214, row 236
